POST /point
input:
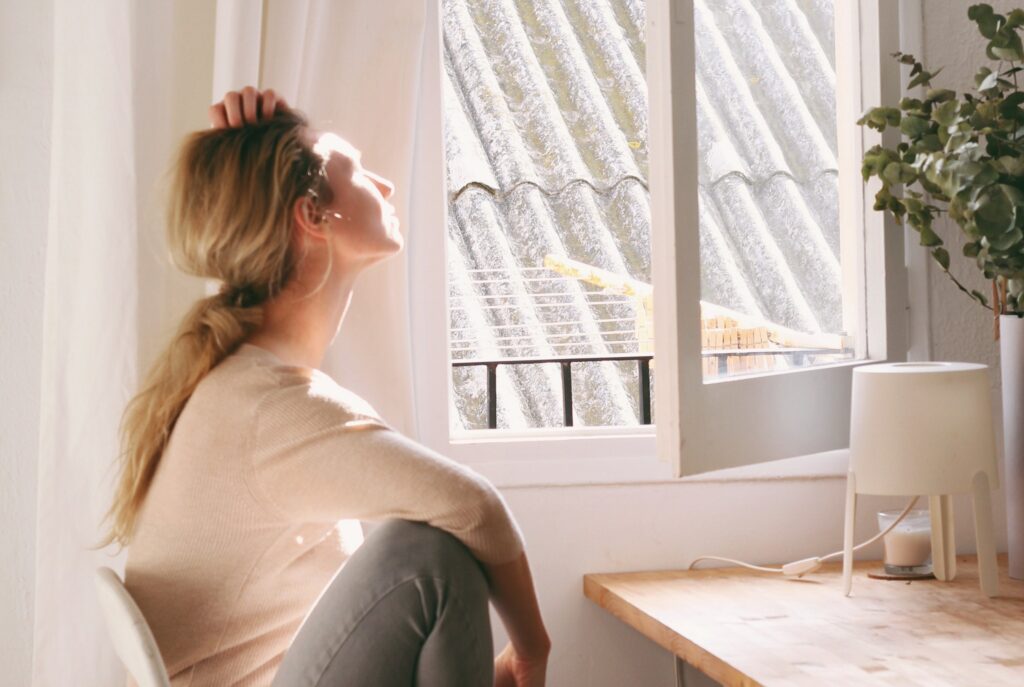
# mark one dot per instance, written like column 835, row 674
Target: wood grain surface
column 743, row 627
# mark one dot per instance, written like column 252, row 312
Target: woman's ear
column 307, row 219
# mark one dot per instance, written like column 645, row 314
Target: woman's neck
column 299, row 329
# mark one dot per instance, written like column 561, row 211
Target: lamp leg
column 988, row 569
column 851, row 518
column 943, row 544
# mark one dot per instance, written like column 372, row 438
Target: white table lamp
column 925, row 429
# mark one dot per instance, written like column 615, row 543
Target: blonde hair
column 229, row 218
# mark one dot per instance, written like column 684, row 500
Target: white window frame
column 676, row 444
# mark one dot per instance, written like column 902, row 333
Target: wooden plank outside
column 746, row 628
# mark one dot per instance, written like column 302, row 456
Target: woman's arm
column 523, row 663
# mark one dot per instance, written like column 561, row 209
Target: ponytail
column 228, row 219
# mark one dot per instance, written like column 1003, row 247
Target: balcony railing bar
column 527, row 337
column 644, row 368
column 542, row 324
column 508, row 347
column 643, row 362
column 625, row 301
column 559, row 294
column 505, row 269
column 559, row 279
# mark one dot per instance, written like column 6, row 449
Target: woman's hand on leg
column 513, row 670
column 247, row 106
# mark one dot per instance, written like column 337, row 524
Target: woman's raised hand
column 247, row 106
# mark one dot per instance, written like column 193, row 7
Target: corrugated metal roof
column 546, row 137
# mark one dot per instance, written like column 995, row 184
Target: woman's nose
column 385, row 186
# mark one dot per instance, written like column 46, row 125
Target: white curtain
column 354, row 68
column 89, row 333
column 112, row 298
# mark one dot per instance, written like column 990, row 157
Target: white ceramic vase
column 1011, row 352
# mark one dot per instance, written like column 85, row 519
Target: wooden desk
column 746, row 628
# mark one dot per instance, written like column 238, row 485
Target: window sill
column 584, row 472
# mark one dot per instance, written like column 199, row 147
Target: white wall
column 570, row 530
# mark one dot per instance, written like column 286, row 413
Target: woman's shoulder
column 297, row 398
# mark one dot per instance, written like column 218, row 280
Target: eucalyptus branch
column 975, row 295
column 965, row 151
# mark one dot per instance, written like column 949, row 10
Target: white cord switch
column 801, row 568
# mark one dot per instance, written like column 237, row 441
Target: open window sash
column 703, row 426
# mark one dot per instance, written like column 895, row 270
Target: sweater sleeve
column 321, row 454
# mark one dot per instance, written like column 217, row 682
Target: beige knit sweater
column 255, row 506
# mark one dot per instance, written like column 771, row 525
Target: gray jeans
column 408, row 608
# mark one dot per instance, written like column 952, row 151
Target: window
column 545, row 119
column 507, row 204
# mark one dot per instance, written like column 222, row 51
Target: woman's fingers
column 249, row 112
column 245, row 107
column 218, row 117
column 268, row 102
column 232, row 103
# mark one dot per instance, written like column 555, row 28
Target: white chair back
column 129, row 631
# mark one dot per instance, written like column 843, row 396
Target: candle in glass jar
column 909, row 544
column 907, row 547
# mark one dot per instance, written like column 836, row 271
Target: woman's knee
column 422, row 549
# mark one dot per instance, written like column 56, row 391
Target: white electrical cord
column 808, row 565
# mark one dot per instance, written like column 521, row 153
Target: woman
column 245, row 469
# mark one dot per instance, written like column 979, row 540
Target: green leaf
column 941, row 256
column 1010, row 108
column 929, row 237
column 988, row 81
column 995, row 211
column 945, row 114
column 1006, row 241
column 1010, row 164
column 899, row 173
column 929, row 143
column 985, row 17
column 979, row 296
column 924, row 78
column 981, row 75
column 912, row 126
column 880, row 117
column 939, row 95
column 910, row 104
column 971, row 249
column 875, row 160
column 987, row 175
column 1007, row 46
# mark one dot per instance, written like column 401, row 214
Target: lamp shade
column 921, row 428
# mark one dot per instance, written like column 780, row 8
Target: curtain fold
column 89, row 334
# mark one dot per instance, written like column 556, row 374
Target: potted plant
column 963, row 156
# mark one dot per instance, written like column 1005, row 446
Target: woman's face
column 363, row 225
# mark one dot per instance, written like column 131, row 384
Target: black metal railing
column 643, row 362
column 799, row 356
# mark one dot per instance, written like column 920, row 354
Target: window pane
column 771, row 266
column 548, row 209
